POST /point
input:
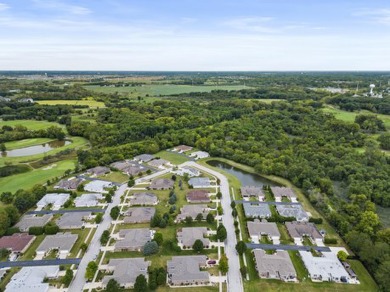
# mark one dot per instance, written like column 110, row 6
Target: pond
column 37, row 149
column 246, row 178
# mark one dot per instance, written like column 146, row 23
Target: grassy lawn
column 36, row 176
column 173, row 157
column 91, row 103
column 26, row 143
column 30, row 253
column 82, row 233
column 31, row 124
column 115, row 176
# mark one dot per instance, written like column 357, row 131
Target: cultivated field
column 90, row 103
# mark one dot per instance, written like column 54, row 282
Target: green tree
column 114, row 213
column 108, row 198
column 188, row 220
column 13, row 214
column 382, row 275
column 199, row 217
column 6, row 197
column 140, row 284
column 198, row 246
column 223, row 264
column 113, row 286
column 98, row 218
column 219, row 195
column 2, row 147
column 150, row 248
column 233, row 204
column 342, row 255
column 241, row 247
column 131, row 183
column 158, row 237
column 4, row 222
column 221, row 233
column 51, row 228
column 210, row 218
column 92, row 267
column 105, row 237
column 67, row 278
column 84, row 247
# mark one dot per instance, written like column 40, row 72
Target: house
column 125, row 271
column 325, row 268
column 199, row 182
column 139, row 215
column 199, row 155
column 185, row 270
column 280, row 192
column 63, row 242
column 159, row 163
column 190, row 171
column 28, row 221
column 299, row 230
column 275, row 266
column 17, row 242
column 257, row 229
column 5, row 99
column 88, row 200
column 32, row 279
column 187, row 236
column 25, row 100
column 143, row 158
column 256, row 210
column 182, row 148
column 128, row 167
column 162, row 184
column 98, row 171
column 133, row 239
column 56, row 200
column 198, row 196
column 295, row 211
column 192, row 211
column 68, row 184
column 98, row 186
column 143, row 199
column 73, row 220
column 252, row 191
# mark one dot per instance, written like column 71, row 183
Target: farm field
column 90, row 103
column 31, row 124
column 36, row 176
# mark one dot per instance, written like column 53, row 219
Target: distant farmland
column 90, row 103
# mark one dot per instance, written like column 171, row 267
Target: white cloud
column 254, row 24
column 62, row 6
column 379, row 16
column 3, row 6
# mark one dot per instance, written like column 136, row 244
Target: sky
column 195, row 35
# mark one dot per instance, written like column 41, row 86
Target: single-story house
column 252, row 191
column 68, row 184
column 88, row 200
column 63, row 242
column 185, row 270
column 199, row 154
column 32, row 279
column 139, row 215
column 56, row 200
column 17, row 242
column 190, row 171
column 280, row 192
column 182, row 148
column 159, row 163
column 125, row 271
column 128, row 167
column 28, row 221
column 295, row 211
column 162, row 184
column 143, row 158
column 275, row 266
column 192, row 211
column 325, row 268
column 133, row 239
column 143, row 199
column 299, row 230
column 256, row 210
column 198, row 196
column 257, row 229
column 98, row 186
column 98, row 171
column 199, row 182
column 73, row 220
column 187, row 236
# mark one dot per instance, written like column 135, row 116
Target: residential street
column 234, row 276
column 94, row 247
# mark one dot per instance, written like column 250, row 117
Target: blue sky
column 194, row 35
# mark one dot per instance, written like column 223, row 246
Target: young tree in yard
column 221, row 232
column 158, row 237
column 140, row 284
column 342, row 255
column 241, row 247
column 210, row 218
column 243, row 271
column 223, row 264
column 234, row 213
column 161, row 276
column 83, row 247
column 198, row 246
column 150, row 247
column 113, row 286
column 233, row 204
column 105, row 237
column 199, row 217
column 108, row 198
column 98, row 218
column 91, row 270
column 67, row 278
column 114, row 213
column 131, row 182
column 188, row 220
column 219, row 195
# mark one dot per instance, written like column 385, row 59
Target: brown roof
column 283, row 192
column 16, row 242
column 198, row 196
column 300, row 229
column 162, row 183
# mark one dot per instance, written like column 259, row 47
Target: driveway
column 234, row 279
column 287, row 247
column 94, row 246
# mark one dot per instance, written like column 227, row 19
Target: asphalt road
column 287, row 247
column 234, row 276
column 94, row 247
column 63, row 211
column 55, row 262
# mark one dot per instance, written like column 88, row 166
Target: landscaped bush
column 330, row 240
column 35, row 230
column 150, row 248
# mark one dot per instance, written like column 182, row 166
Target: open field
column 31, row 124
column 26, row 143
column 173, row 157
column 37, row 176
column 157, row 90
column 90, row 103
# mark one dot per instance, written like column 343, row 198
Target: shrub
column 35, row 230
column 330, row 240
column 150, row 248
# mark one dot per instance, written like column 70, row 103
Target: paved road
column 94, row 247
column 54, row 262
column 266, row 203
column 67, row 211
column 234, row 276
column 287, row 247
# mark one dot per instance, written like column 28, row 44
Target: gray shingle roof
column 188, row 235
column 253, row 210
column 187, row 269
column 72, row 220
column 283, row 192
column 127, row 270
column 60, row 241
column 139, row 214
column 258, row 228
column 300, row 229
column 295, row 211
column 144, row 157
column 143, row 199
column 133, row 239
column 28, row 221
column 199, row 182
column 252, row 191
column 161, row 184
column 192, row 211
column 277, row 265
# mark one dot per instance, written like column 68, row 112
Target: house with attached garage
column 256, row 210
column 139, row 214
column 199, row 155
column 186, row 270
column 70, row 184
column 198, row 196
column 143, row 158
column 73, row 220
column 143, row 199
column 299, row 230
column 56, row 200
column 63, row 242
column 161, row 184
column 248, row 192
column 200, row 182
column 295, row 211
column 258, row 229
column 283, row 192
column 133, row 239
column 28, row 221
column 192, row 211
column 88, row 200
column 98, row 186
column 187, row 236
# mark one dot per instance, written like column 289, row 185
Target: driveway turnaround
column 234, row 279
column 94, row 247
column 287, row 247
column 55, row 262
column 63, row 211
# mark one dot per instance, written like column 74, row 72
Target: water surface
column 36, row 149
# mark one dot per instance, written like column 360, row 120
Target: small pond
column 36, row 149
column 246, row 178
